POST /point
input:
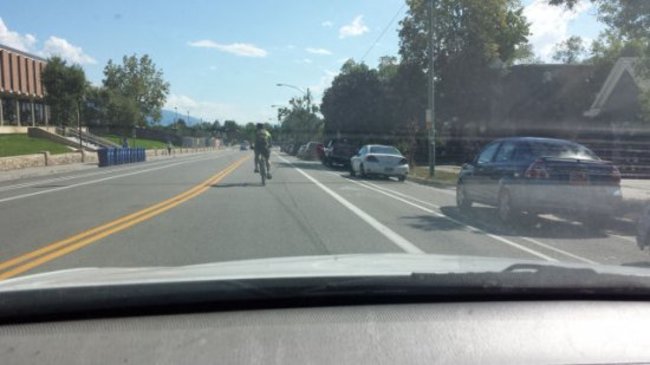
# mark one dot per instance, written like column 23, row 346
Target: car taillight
column 372, row 159
column 616, row 174
column 537, row 170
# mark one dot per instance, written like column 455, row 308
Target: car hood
column 363, row 265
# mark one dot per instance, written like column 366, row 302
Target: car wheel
column 402, row 178
column 362, row 171
column 462, row 201
column 507, row 212
column 352, row 172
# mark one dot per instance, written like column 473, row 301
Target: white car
column 379, row 160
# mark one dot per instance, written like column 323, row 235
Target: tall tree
column 570, row 51
column 139, row 80
column 65, row 87
column 300, row 121
column 472, row 39
column 355, row 104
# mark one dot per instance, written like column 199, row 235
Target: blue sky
column 223, row 59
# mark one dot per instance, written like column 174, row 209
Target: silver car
column 379, row 160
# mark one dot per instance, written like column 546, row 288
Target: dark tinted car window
column 561, row 150
column 486, row 155
column 505, row 152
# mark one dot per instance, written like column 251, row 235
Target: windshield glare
column 159, row 134
column 562, row 150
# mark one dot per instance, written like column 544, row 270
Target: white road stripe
column 27, row 195
column 533, row 241
column 566, row 253
column 398, row 240
column 471, row 228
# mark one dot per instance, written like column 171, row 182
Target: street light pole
column 176, row 118
column 430, row 115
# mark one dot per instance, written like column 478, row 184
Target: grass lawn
column 21, row 144
column 140, row 143
column 440, row 177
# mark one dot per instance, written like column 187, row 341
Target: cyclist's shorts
column 264, row 151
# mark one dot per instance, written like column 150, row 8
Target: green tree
column 356, row 103
column 65, row 86
column 472, row 38
column 139, row 80
column 231, row 131
column 300, row 121
column 570, row 51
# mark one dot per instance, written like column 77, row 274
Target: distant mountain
column 168, row 117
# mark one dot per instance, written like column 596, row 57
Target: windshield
column 385, row 150
column 139, row 139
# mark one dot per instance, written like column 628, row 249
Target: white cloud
column 354, row 29
column 324, row 82
column 211, row 110
column 319, row 51
column 56, row 46
column 239, row 49
column 305, row 60
column 53, row 46
column 327, row 24
column 550, row 24
column 15, row 39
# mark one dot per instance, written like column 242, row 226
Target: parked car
column 379, row 160
column 320, row 151
column 301, row 151
column 310, row 151
column 539, row 175
column 339, row 152
column 643, row 229
column 243, row 146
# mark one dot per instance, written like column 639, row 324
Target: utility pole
column 81, row 145
column 430, row 115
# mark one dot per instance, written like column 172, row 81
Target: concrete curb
column 423, row 181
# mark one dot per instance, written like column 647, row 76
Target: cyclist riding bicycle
column 262, row 147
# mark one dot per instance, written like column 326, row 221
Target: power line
column 383, row 32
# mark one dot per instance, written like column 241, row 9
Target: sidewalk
column 634, row 189
column 44, row 171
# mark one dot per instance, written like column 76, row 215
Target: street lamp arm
column 291, row 86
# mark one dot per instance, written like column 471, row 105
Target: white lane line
column 563, row 252
column 462, row 224
column 398, row 240
column 27, row 195
column 81, row 176
column 626, row 239
column 533, row 241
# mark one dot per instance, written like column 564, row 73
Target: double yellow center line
column 57, row 249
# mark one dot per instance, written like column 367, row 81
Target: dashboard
column 546, row 332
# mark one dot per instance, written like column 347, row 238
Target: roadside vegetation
column 149, row 144
column 21, row 144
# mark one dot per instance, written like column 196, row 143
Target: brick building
column 21, row 90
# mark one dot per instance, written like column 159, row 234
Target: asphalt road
column 212, row 207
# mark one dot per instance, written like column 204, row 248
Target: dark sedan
column 539, row 175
